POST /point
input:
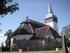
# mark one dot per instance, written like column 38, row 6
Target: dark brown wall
column 37, row 44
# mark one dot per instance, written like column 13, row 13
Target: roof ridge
column 36, row 21
column 33, row 21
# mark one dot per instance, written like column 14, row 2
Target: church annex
column 33, row 35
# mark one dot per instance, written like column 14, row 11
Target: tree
column 8, row 34
column 66, row 31
column 6, row 6
column 2, row 45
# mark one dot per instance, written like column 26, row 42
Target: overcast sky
column 36, row 10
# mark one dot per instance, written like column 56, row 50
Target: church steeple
column 50, row 12
column 50, row 9
column 51, row 19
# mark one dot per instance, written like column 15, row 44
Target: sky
column 35, row 10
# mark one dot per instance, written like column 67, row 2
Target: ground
column 36, row 52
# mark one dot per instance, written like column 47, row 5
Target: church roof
column 56, row 35
column 28, row 27
column 36, row 28
column 33, row 22
column 40, row 32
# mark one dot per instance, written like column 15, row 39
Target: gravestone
column 20, row 51
column 56, row 49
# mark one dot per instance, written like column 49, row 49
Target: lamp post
column 64, row 44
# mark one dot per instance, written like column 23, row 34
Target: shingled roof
column 55, row 34
column 40, row 32
column 33, row 27
column 34, row 23
column 28, row 27
column 25, row 29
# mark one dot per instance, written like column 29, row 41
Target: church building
column 33, row 35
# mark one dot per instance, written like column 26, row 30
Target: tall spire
column 50, row 12
column 50, row 9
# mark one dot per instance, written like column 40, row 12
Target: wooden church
column 33, row 35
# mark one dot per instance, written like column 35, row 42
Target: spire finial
column 50, row 9
column 27, row 19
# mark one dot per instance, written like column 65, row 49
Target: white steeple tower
column 51, row 19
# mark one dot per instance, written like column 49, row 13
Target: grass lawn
column 35, row 52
